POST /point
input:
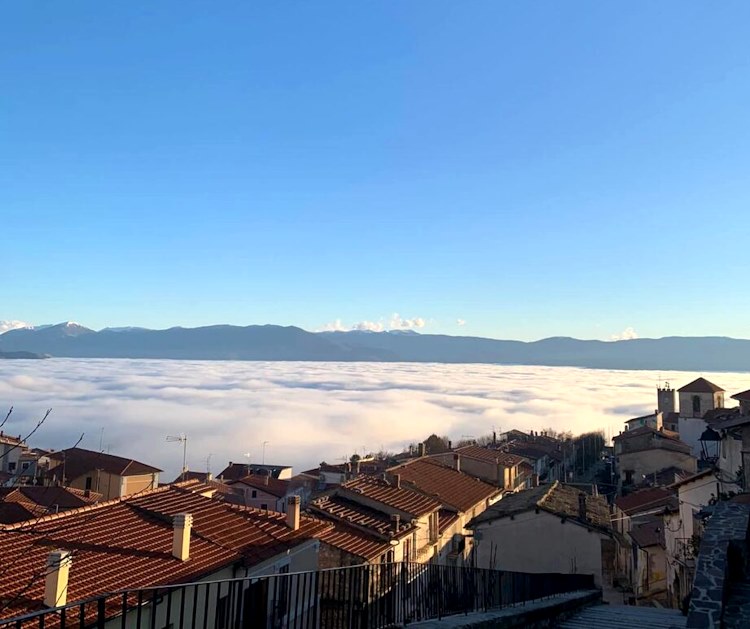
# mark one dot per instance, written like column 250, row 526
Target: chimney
column 209, row 476
column 182, row 523
column 457, row 461
column 582, row 506
column 395, row 522
column 397, row 481
column 292, row 512
column 421, row 449
column 356, row 468
column 494, row 437
column 450, row 445
column 56, row 579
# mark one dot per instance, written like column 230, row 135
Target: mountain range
column 272, row 342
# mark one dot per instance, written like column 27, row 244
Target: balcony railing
column 358, row 597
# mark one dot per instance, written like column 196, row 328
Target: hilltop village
column 631, row 513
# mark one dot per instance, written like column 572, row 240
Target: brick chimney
column 395, row 522
column 582, row 506
column 292, row 512
column 56, row 579
column 457, row 461
column 182, row 524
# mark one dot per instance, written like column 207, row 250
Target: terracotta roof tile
column 388, row 494
column 700, row 385
column 558, row 499
column 646, row 500
column 269, row 485
column 354, row 514
column 489, row 455
column 454, row 489
column 123, row 544
column 75, row 462
column 355, row 542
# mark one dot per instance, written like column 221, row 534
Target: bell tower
column 665, row 399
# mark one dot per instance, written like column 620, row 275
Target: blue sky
column 532, row 169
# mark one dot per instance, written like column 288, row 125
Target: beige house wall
column 114, row 486
column 539, row 542
column 645, row 462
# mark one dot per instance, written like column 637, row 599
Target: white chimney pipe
column 183, row 523
column 292, row 512
column 56, row 579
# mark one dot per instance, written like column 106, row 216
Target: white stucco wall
column 539, row 542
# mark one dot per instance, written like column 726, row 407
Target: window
column 25, row 465
column 264, row 506
column 88, row 482
column 696, row 405
column 254, row 494
column 11, row 466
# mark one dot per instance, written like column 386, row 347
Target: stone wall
column 723, row 554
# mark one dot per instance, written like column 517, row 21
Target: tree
column 435, row 445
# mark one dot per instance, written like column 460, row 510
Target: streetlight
column 181, row 438
column 710, row 440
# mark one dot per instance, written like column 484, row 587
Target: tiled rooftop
column 22, row 503
column 489, row 455
column 350, row 512
column 454, row 489
column 558, row 499
column 269, row 485
column 126, row 543
column 388, row 494
column 646, row 500
column 75, row 462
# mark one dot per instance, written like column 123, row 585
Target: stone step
column 626, row 617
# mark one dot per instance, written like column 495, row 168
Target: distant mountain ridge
column 272, row 342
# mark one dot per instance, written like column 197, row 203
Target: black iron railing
column 358, row 597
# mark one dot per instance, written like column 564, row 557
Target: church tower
column 665, row 399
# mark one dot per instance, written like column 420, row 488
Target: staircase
column 625, row 617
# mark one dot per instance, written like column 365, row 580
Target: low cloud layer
column 309, row 412
column 394, row 322
column 5, row 326
column 628, row 334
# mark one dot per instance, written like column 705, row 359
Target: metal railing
column 358, row 597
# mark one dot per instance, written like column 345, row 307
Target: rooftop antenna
column 101, row 440
column 181, row 438
column 208, row 463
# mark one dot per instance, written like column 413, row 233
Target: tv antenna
column 181, row 438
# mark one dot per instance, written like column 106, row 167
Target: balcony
column 358, row 597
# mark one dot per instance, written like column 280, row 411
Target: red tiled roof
column 648, row 534
column 398, row 498
column 269, row 485
column 490, row 456
column 646, row 500
column 352, row 513
column 454, row 489
column 744, row 396
column 558, row 499
column 643, row 430
column 446, row 519
column 126, row 544
column 700, row 385
column 355, row 542
column 75, row 462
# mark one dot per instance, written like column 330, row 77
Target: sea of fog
column 309, row 412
